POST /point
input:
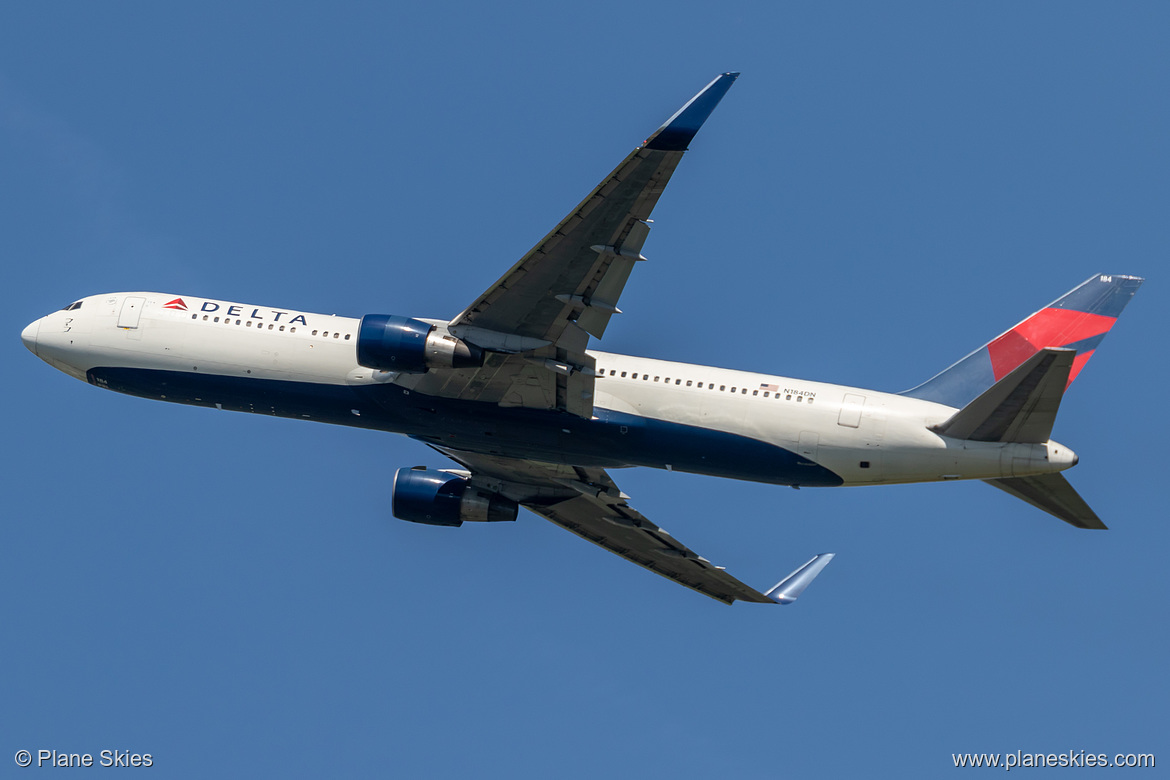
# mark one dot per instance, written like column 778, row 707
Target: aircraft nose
column 29, row 336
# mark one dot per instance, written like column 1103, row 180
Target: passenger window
column 282, row 327
column 216, row 319
column 613, row 371
column 347, row 336
column 799, row 398
column 335, row 333
column 633, row 376
column 314, row 333
column 655, row 379
column 270, row 326
column 679, row 382
column 722, row 388
column 249, row 323
column 810, row 400
column 743, row 391
column 645, row 377
column 623, row 375
column 765, row 394
column 205, row 318
column 290, row 330
column 732, row 389
column 688, row 383
column 237, row 322
column 755, row 392
column 788, row 397
column 194, row 316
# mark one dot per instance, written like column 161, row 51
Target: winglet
column 786, row 590
column 677, row 132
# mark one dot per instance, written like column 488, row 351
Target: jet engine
column 392, row 343
column 443, row 498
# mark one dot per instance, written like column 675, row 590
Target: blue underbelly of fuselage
column 610, row 440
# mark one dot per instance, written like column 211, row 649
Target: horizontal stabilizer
column 1053, row 494
column 1021, row 407
column 786, row 590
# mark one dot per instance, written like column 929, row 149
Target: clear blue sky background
column 884, row 189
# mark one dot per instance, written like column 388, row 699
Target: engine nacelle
column 442, row 498
column 392, row 343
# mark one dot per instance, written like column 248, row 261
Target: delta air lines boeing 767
column 510, row 389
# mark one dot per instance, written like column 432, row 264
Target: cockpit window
column 73, row 306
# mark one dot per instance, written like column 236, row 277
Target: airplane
column 511, row 391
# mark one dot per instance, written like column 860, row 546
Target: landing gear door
column 131, row 312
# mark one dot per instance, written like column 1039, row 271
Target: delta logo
column 237, row 310
column 177, row 303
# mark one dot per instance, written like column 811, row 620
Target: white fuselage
column 861, row 436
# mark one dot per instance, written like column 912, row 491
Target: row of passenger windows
column 711, row 386
column 271, row 326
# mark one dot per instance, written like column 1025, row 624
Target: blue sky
column 883, row 190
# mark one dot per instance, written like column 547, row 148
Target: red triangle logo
column 177, row 303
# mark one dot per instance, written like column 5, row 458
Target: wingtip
column 678, row 131
column 789, row 589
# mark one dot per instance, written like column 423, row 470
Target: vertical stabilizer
column 1079, row 320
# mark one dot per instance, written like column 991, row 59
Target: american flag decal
column 770, row 387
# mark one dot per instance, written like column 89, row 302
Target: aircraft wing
column 587, row 502
column 536, row 320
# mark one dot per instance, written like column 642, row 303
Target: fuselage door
column 131, row 312
column 851, row 407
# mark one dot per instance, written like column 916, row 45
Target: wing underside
column 536, row 320
column 587, row 502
